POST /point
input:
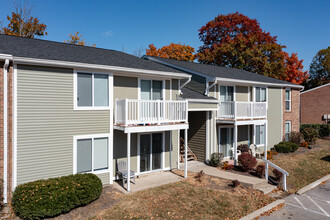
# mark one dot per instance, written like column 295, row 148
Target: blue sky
column 303, row 26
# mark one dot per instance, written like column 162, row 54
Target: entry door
column 151, row 149
column 226, row 141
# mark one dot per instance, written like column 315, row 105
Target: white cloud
column 108, row 33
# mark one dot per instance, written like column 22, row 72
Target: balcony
column 242, row 110
column 142, row 112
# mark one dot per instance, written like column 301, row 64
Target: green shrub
column 52, row 197
column 323, row 130
column 310, row 134
column 286, row 147
column 215, row 160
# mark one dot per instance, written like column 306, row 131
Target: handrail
column 285, row 173
column 241, row 110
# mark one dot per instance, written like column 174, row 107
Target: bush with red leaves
column 247, row 161
column 260, row 170
column 278, row 174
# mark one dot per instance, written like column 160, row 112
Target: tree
column 294, row 69
column 236, row 41
column 77, row 39
column 320, row 68
column 173, row 51
column 22, row 24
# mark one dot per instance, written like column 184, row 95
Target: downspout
column 5, row 134
column 208, row 87
column 184, row 84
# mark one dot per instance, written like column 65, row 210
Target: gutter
column 184, row 84
column 5, row 128
column 208, row 87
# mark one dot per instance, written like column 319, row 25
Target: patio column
column 266, row 133
column 235, row 144
column 185, row 152
column 128, row 162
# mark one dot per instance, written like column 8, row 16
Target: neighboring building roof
column 218, row 71
column 328, row 84
column 50, row 50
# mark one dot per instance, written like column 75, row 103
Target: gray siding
column 125, row 87
column 175, row 91
column 105, row 178
column 242, row 94
column 46, row 122
column 175, row 149
column 197, row 105
column 197, row 134
column 274, row 116
column 167, row 90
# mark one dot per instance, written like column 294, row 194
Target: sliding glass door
column 226, row 141
column 151, row 149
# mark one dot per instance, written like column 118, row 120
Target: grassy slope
column 307, row 167
column 189, row 201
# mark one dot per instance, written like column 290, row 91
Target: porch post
column 128, row 162
column 266, row 133
column 185, row 152
column 235, row 144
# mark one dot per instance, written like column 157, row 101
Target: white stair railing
column 285, row 173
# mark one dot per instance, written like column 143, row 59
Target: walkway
column 253, row 182
column 150, row 180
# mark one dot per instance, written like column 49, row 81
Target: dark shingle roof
column 224, row 72
column 43, row 49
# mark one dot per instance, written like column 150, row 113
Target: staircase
column 190, row 155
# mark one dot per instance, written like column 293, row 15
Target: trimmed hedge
column 323, row 130
column 286, row 147
column 48, row 198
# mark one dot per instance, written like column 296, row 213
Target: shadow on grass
column 326, row 158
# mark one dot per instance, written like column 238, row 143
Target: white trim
column 328, row 84
column 290, row 99
column 250, row 82
column 111, row 129
column 203, row 100
column 178, row 163
column 15, row 127
column 92, row 136
column 5, row 130
column 139, row 153
column 207, row 146
column 290, row 126
column 152, row 128
column 133, row 71
column 282, row 117
column 202, row 109
column 6, row 56
column 75, row 88
column 251, row 122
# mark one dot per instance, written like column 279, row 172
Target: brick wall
column 9, row 128
column 315, row 104
column 294, row 114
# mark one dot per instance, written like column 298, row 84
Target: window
column 287, row 130
column 260, row 134
column 288, row 99
column 151, row 90
column 92, row 154
column 261, row 94
column 226, row 93
column 92, row 90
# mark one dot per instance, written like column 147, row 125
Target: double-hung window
column 226, row 93
column 288, row 99
column 92, row 90
column 151, row 90
column 287, row 130
column 261, row 94
column 260, row 134
column 91, row 154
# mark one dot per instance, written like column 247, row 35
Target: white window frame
column 153, row 79
column 81, row 137
column 255, row 129
column 255, row 93
column 226, row 85
column 138, row 152
column 287, row 122
column 288, row 100
column 75, row 86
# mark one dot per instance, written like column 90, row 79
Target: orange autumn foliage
column 294, row 69
column 173, row 51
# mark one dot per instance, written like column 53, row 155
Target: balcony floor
column 151, row 127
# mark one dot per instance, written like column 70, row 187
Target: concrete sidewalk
column 253, row 182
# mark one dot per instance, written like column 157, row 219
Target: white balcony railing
column 134, row 112
column 240, row 110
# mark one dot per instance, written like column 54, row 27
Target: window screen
column 100, row 153
column 84, row 95
column 101, row 90
column 84, row 155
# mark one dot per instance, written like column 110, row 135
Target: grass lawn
column 210, row 198
column 305, row 166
